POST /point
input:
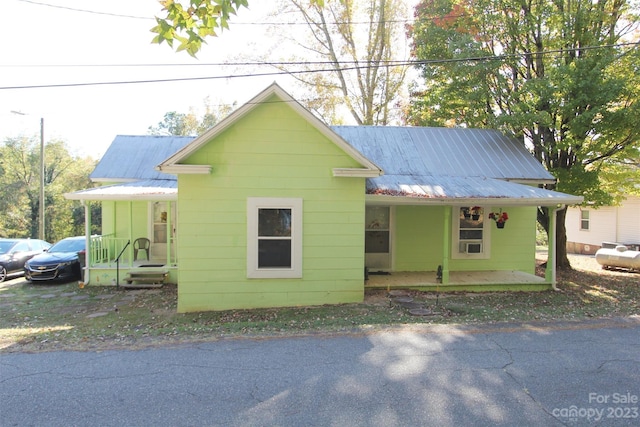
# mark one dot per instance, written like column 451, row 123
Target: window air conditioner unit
column 473, row 248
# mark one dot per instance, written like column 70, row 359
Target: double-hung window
column 274, row 238
column 470, row 236
column 584, row 220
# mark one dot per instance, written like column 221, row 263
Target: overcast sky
column 81, row 41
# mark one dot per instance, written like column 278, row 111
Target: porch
column 108, row 251
column 115, row 261
column 474, row 281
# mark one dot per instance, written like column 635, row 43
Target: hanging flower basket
column 499, row 217
column 475, row 213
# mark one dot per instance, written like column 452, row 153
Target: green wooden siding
column 126, row 220
column 418, row 245
column 512, row 248
column 418, row 238
column 271, row 152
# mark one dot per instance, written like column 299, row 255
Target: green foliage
column 172, row 124
column 562, row 75
column 620, row 176
column 20, row 189
column 190, row 124
column 190, row 24
column 555, row 73
column 582, row 182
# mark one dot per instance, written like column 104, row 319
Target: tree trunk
column 562, row 261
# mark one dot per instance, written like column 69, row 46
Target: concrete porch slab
column 458, row 280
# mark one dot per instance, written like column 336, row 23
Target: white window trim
column 583, row 220
column 455, row 236
column 253, row 205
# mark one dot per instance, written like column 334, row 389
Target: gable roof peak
column 173, row 164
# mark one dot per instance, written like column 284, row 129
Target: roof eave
column 114, row 180
column 376, row 199
column 121, row 197
column 176, row 169
column 532, row 181
column 357, row 172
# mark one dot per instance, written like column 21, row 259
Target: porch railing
column 105, row 248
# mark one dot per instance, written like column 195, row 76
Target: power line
column 95, row 12
column 177, row 79
column 353, row 65
column 288, row 23
column 205, row 64
column 391, row 62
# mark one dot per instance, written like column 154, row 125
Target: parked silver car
column 14, row 253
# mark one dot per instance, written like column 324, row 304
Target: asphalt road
column 570, row 374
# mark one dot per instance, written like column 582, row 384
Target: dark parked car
column 63, row 261
column 15, row 252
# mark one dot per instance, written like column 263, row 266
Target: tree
column 562, row 75
column 190, row 24
column 19, row 188
column 343, row 64
column 20, row 184
column 350, row 58
column 65, row 173
column 190, row 124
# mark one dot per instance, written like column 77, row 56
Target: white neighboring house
column 588, row 229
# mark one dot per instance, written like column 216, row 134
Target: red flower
column 499, row 216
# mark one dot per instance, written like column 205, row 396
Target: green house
column 272, row 207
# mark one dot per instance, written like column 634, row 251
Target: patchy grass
column 36, row 317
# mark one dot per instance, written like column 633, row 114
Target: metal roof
column 420, row 165
column 404, row 189
column 445, row 152
column 150, row 189
column 457, row 165
column 130, row 158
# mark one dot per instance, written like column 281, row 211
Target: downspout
column 552, row 245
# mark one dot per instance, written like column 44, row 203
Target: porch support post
column 87, row 234
column 446, row 247
column 168, row 231
column 87, row 231
column 114, row 227
column 131, row 233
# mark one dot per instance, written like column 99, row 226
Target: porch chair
column 141, row 244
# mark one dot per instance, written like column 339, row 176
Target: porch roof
column 150, row 189
column 462, row 191
column 132, row 158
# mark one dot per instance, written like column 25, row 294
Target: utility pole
column 41, row 204
column 41, row 199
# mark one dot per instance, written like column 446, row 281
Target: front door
column 163, row 230
column 377, row 246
